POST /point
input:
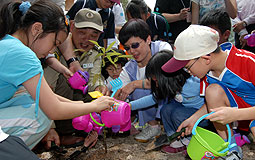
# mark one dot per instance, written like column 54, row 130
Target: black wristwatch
column 71, row 60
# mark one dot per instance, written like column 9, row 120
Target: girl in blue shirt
column 27, row 104
column 177, row 93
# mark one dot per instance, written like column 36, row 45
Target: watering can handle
column 85, row 75
column 229, row 131
column 93, row 119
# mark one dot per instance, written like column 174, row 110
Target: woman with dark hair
column 177, row 93
column 27, row 104
column 136, row 39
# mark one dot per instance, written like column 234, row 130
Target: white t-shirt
column 140, row 74
column 3, row 135
column 119, row 20
column 107, row 83
column 125, row 77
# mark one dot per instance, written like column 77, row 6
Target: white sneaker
column 148, row 133
column 233, row 155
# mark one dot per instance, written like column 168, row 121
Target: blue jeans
column 174, row 113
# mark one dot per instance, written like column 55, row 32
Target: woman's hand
column 51, row 136
column 103, row 103
column 125, row 91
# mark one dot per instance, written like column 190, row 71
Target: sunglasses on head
column 133, row 45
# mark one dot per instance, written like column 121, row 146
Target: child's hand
column 188, row 124
column 223, row 115
column 103, row 103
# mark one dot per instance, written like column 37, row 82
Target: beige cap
column 88, row 18
column 193, row 42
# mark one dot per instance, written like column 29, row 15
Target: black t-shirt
column 173, row 7
column 106, row 15
column 158, row 27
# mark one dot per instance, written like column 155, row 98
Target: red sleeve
column 203, row 85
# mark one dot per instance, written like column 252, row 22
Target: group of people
column 41, row 48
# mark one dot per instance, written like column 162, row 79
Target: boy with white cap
column 227, row 74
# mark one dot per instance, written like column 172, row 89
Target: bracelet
column 143, row 84
column 69, row 61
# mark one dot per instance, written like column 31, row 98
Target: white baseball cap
column 193, row 42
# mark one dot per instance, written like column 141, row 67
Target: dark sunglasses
column 133, row 45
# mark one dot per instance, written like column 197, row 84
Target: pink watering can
column 79, row 81
column 126, row 126
column 250, row 39
column 241, row 139
column 86, row 124
column 119, row 114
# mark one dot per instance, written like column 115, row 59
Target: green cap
column 88, row 18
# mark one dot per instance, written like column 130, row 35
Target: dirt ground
column 126, row 148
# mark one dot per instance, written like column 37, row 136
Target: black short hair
column 169, row 84
column 134, row 28
column 218, row 18
column 136, row 8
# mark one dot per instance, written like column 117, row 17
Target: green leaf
column 79, row 50
column 110, row 46
column 103, row 63
column 127, row 56
column 116, row 59
column 110, row 60
column 98, row 55
column 113, row 54
column 95, row 42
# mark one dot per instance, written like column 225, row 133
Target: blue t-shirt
column 18, row 64
column 190, row 96
column 191, row 93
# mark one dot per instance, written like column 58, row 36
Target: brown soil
column 126, row 148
